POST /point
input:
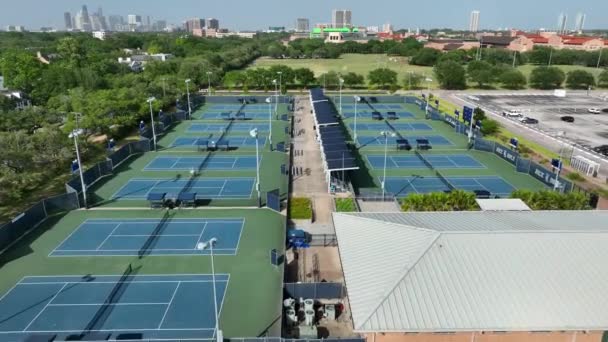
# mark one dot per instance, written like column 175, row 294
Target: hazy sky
column 259, row 14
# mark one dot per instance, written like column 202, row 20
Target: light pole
column 164, row 90
column 471, row 127
column 550, row 55
column 75, row 133
column 209, row 82
column 254, row 134
column 599, row 59
column 276, row 95
column 280, row 73
column 188, row 92
column 409, row 80
column 557, row 184
column 150, row 100
column 428, row 95
column 385, row 134
column 341, row 83
column 357, row 99
column 202, row 246
column 269, row 101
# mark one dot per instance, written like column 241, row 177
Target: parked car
column 594, row 110
column 528, row 120
column 567, row 119
column 512, row 113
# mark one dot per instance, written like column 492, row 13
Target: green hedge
column 300, row 208
column 345, row 205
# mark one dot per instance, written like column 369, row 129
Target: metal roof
column 475, row 271
column 502, row 204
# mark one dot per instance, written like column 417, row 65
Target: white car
column 512, row 113
column 594, row 110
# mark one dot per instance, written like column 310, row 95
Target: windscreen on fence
column 315, row 290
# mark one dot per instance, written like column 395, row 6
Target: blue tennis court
column 401, row 126
column 439, row 161
column 212, row 162
column 158, row 307
column 402, row 186
column 205, row 188
column 130, row 237
column 218, row 128
column 232, row 141
column 248, row 114
column 368, row 114
column 377, row 106
column 378, row 140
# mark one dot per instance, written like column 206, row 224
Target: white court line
column 168, row 306
column 123, row 282
column 135, row 250
column 200, row 236
column 67, row 237
column 47, row 304
column 150, row 235
column 107, row 237
column 110, row 304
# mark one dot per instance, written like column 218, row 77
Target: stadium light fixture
column 341, row 84
column 357, row 100
column 150, row 100
column 385, row 134
column 269, row 101
column 75, row 133
column 254, row 134
column 202, row 246
column 188, row 92
column 209, row 82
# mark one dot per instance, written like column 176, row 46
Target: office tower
column 195, row 24
column 134, row 22
column 562, row 21
column 580, row 22
column 348, row 18
column 341, row 18
column 148, row 22
column 302, row 25
column 474, row 21
column 67, row 18
column 85, row 19
column 159, row 25
column 114, row 21
column 387, row 27
column 213, row 24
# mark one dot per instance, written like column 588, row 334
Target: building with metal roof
column 472, row 272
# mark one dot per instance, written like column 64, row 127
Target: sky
column 259, row 14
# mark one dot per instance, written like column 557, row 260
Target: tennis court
column 232, row 141
column 247, row 115
column 402, row 126
column 127, row 307
column 139, row 236
column 438, row 161
column 205, row 188
column 402, row 186
column 207, row 162
column 392, row 141
column 375, row 105
column 235, row 127
column 368, row 114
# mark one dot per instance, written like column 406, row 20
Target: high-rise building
column 67, row 18
column 580, row 22
column 302, row 25
column 85, row 20
column 474, row 21
column 194, row 24
column 114, row 21
column 348, row 18
column 213, row 24
column 562, row 21
column 387, row 27
column 341, row 18
column 134, row 22
column 159, row 25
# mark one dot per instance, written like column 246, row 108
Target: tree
column 304, row 76
column 412, row 80
column 451, row 75
column 287, row 75
column 21, row 70
column 351, row 79
column 457, row 200
column 602, row 80
column 71, row 51
column 479, row 114
column 235, row 78
column 489, row 127
column 513, row 79
column 580, row 79
column 382, row 77
column 482, row 73
column 551, row 200
column 426, row 57
column 544, row 77
column 329, row 80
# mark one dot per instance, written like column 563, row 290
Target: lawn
column 357, row 63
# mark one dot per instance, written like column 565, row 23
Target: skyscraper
column 474, row 21
column 562, row 21
column 341, row 18
column 213, row 24
column 85, row 20
column 302, row 25
column 67, row 18
column 115, row 22
column 194, row 24
column 580, row 22
column 134, row 22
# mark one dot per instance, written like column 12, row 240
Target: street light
column 254, row 134
column 202, row 246
column 209, row 82
column 280, row 73
column 269, row 101
column 150, row 100
column 75, row 133
column 276, row 94
column 428, row 95
column 341, row 83
column 385, row 134
column 357, row 99
column 188, row 92
column 557, row 184
column 164, row 90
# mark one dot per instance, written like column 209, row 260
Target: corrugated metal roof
column 537, row 271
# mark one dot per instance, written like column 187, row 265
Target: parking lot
column 587, row 130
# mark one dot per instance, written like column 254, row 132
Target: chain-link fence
column 315, row 290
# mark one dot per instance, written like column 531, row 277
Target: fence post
column 46, row 214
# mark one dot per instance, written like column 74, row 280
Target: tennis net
column 424, row 160
column 106, row 308
column 158, row 230
column 445, row 181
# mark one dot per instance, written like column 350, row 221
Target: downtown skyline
column 236, row 14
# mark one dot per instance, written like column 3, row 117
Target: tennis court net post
column 445, row 180
column 424, row 160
